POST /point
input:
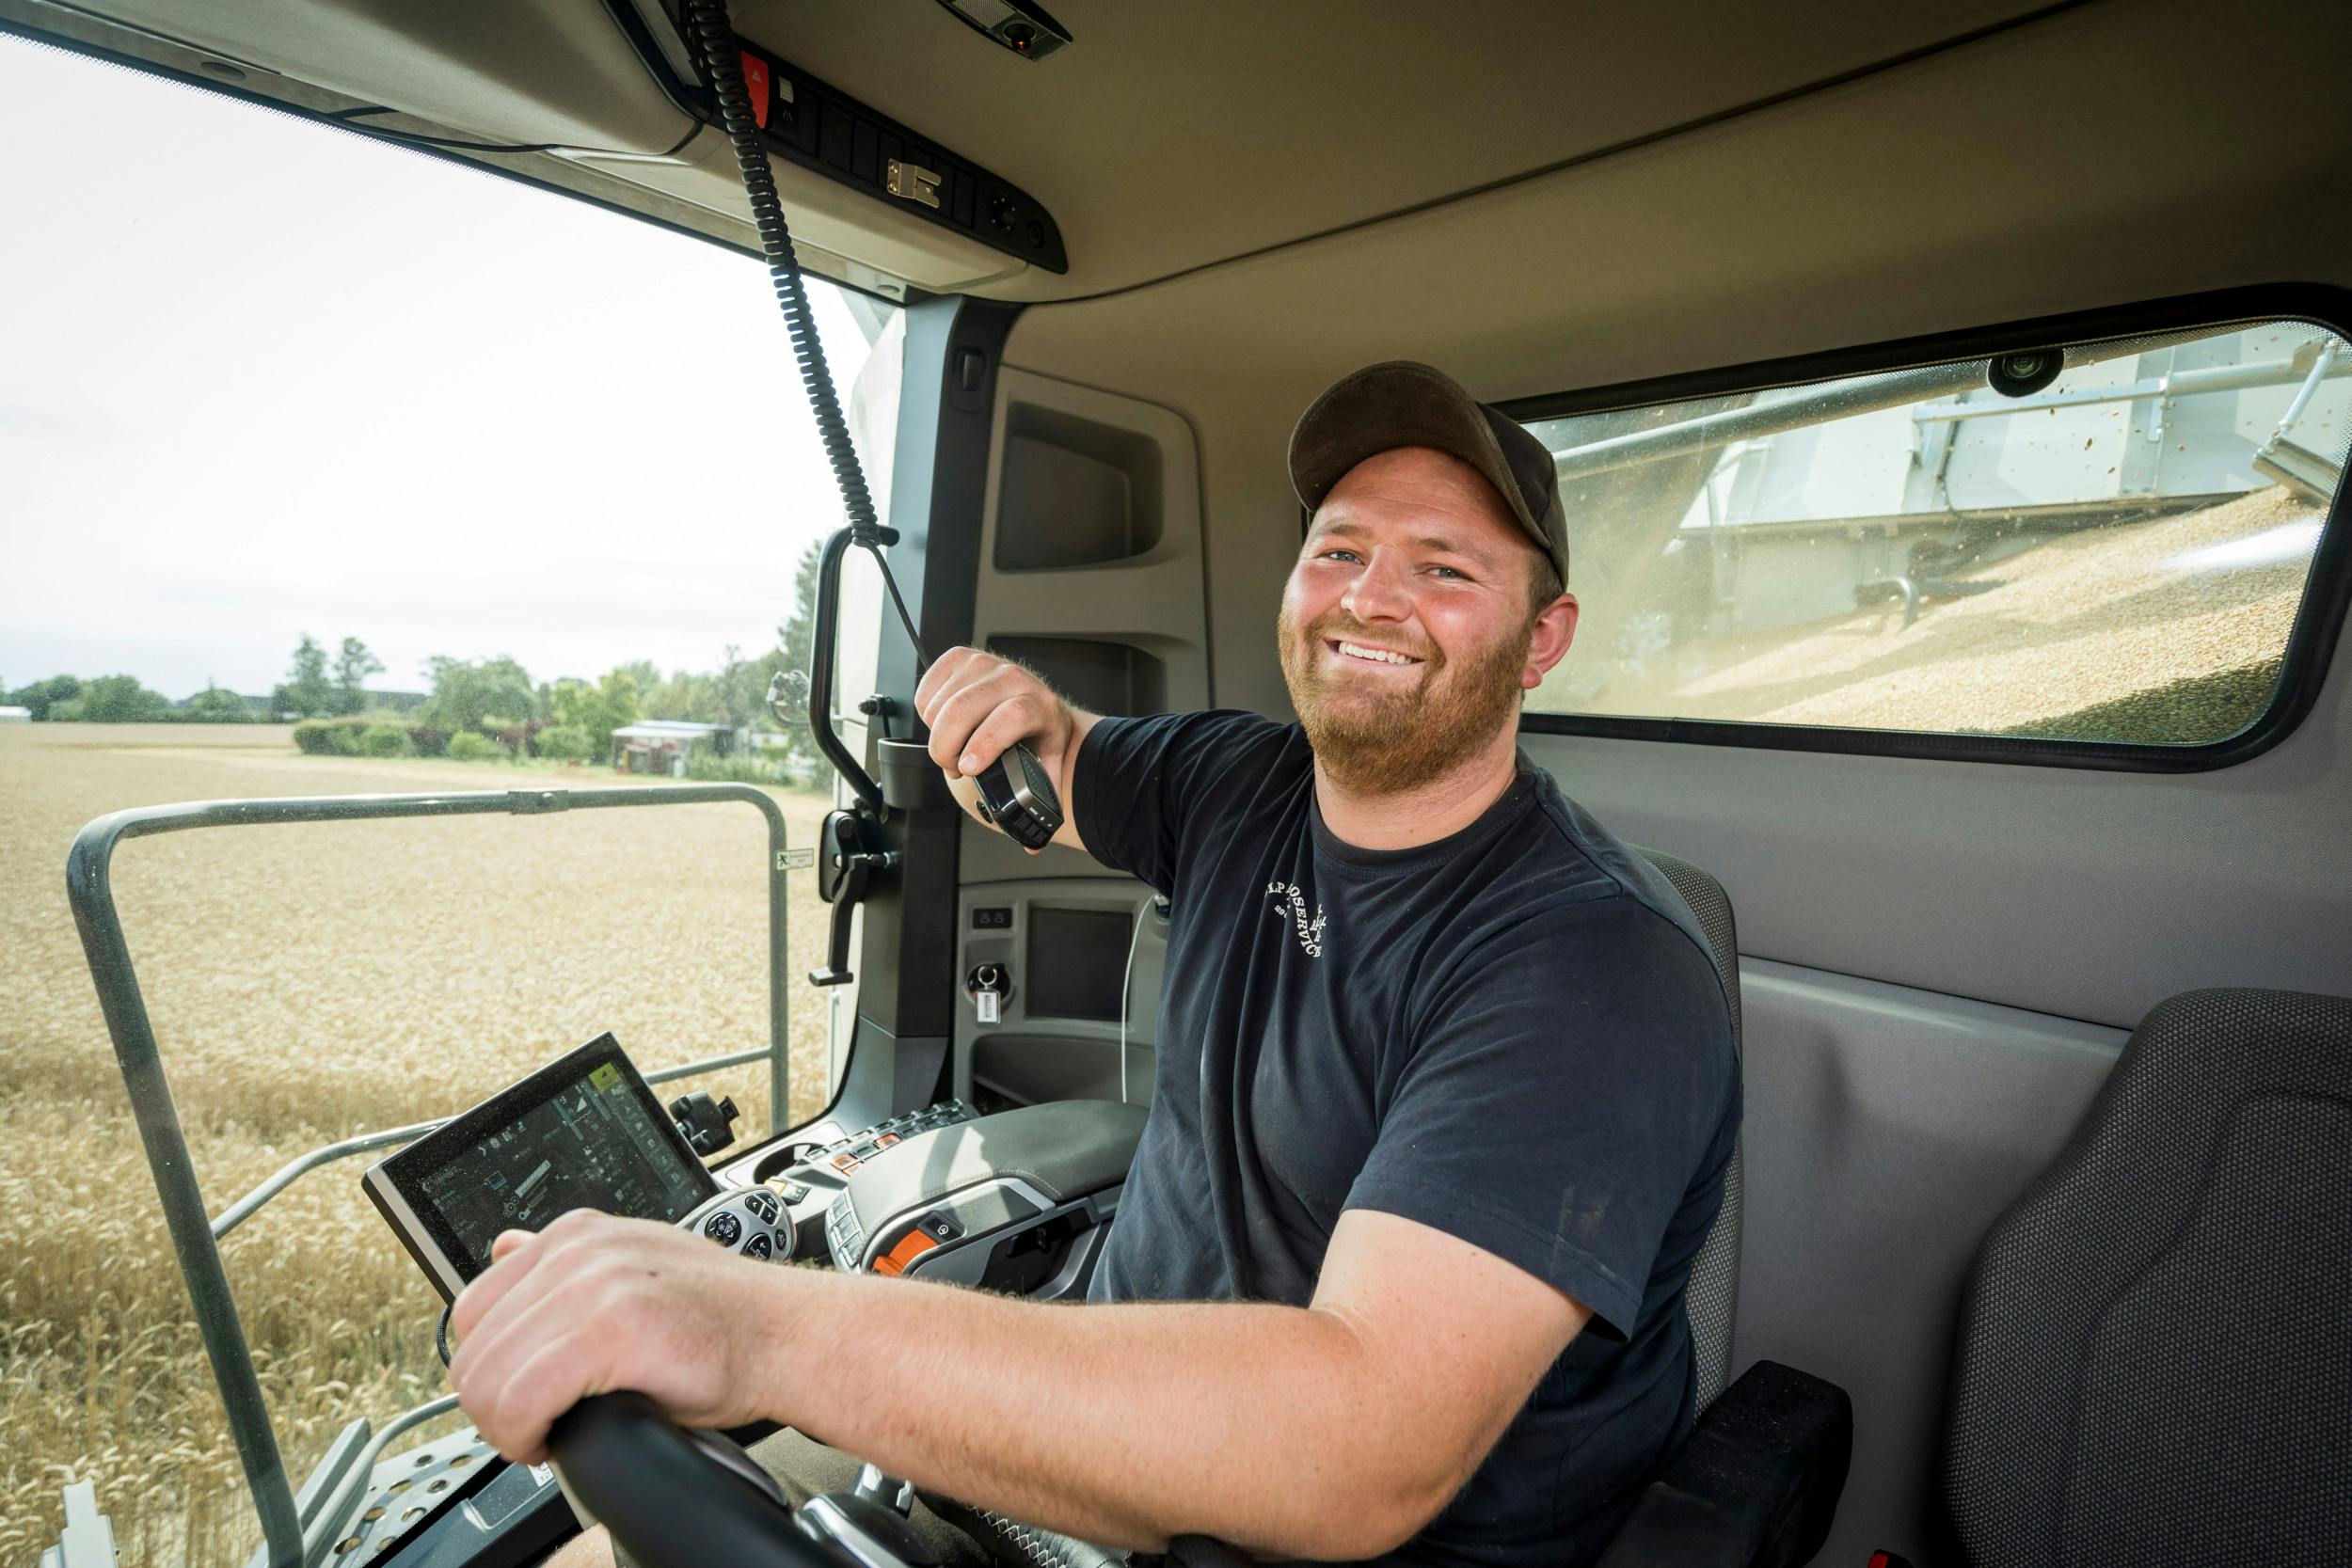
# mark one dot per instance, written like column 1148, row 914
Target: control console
column 844, row 1155
column 1019, row 1201
column 748, row 1220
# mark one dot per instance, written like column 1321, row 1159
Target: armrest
column 943, row 1204
column 1757, row 1484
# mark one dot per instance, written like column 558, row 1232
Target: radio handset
column 1015, row 793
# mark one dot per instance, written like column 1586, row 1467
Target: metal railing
column 195, row 1235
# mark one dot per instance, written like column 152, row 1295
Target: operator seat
column 1796, row 1496
column 1712, row 1299
column 2152, row 1364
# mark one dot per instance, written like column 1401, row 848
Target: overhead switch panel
column 814, row 125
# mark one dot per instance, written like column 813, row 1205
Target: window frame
column 2310, row 644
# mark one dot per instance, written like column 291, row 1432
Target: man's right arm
column 977, row 705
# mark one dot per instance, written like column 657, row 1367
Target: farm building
column 15, row 715
column 662, row 745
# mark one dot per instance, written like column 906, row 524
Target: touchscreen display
column 582, row 1133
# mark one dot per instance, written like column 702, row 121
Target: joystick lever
column 868, row 1524
column 886, row 1489
column 706, row 1123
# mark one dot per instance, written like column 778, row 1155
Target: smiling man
column 1445, row 1094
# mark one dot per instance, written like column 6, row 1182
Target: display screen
column 1078, row 962
column 584, row 1133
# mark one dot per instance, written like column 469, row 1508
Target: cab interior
column 1943, row 946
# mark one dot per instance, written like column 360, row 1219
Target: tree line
column 493, row 698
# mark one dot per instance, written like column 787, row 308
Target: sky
column 261, row 378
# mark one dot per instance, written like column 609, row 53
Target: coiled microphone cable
column 1015, row 793
column 713, row 37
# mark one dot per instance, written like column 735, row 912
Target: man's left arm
column 1332, row 1430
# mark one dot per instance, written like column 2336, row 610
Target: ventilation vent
column 1074, row 493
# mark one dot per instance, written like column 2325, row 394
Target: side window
column 2104, row 544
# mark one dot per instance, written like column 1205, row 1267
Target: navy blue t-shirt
column 1515, row 1034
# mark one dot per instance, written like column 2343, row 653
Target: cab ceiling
column 1166, row 138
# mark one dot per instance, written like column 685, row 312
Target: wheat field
column 307, row 983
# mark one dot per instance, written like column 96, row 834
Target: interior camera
column 2024, row 372
column 1016, row 24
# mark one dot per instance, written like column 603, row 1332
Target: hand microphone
column 1016, row 795
column 1013, row 794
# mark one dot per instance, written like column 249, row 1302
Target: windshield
column 336, row 469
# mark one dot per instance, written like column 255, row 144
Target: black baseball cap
column 1403, row 402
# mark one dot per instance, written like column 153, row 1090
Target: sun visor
column 557, row 71
column 828, row 217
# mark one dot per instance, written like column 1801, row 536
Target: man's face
column 1405, row 631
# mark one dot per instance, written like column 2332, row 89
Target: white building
column 661, row 745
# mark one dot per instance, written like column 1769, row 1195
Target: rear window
column 2108, row 544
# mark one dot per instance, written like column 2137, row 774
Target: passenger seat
column 2155, row 1359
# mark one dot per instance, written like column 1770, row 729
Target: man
column 1446, row 1090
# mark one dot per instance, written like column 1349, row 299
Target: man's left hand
column 595, row 1303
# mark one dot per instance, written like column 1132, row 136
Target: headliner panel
column 1212, row 130
column 1221, row 127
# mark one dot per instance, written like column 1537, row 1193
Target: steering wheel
column 674, row 1498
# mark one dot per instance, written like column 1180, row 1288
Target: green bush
column 564, row 743
column 752, row 769
column 348, row 737
column 331, row 737
column 383, row 740
column 66, row 712
column 466, row 746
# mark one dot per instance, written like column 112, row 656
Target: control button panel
column 852, row 1151
column 746, row 1220
column 844, row 1237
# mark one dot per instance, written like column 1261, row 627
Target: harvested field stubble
column 307, row 983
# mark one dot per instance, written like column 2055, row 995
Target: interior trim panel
column 1042, row 1048
column 1886, row 1129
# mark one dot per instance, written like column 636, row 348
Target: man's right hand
column 977, row 705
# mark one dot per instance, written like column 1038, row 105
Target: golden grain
column 2118, row 622
column 307, row 983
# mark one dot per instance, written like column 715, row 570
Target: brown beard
column 1375, row 743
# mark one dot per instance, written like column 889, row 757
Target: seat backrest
column 1712, row 1300
column 2154, row 1364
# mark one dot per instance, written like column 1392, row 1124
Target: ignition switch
column 990, row 986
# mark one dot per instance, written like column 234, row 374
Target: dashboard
column 1017, row 1200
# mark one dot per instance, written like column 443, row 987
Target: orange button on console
column 899, row 1258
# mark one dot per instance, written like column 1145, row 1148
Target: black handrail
column 90, row 890
column 825, row 634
